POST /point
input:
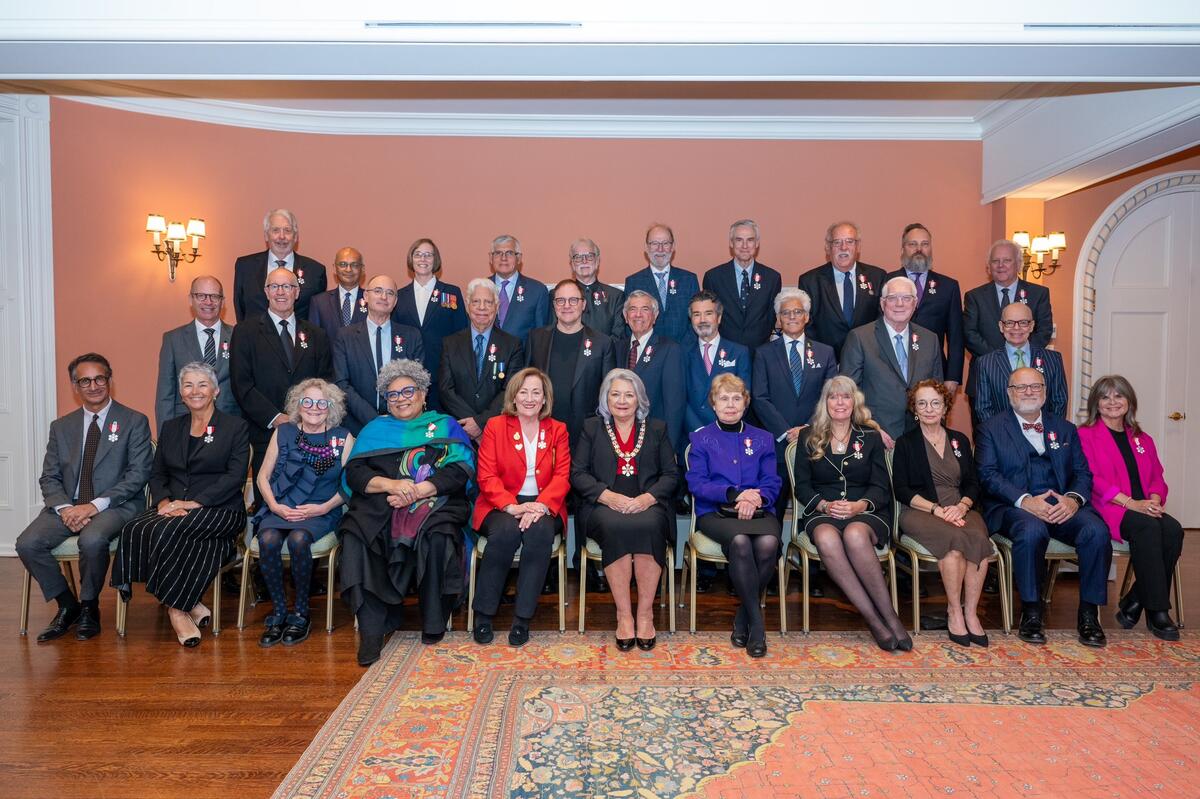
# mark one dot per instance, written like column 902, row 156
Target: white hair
column 516, row 244
column 291, row 218
column 750, row 223
column 639, row 388
column 898, row 281
column 483, row 283
column 789, row 294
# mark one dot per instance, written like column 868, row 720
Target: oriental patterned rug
column 825, row 715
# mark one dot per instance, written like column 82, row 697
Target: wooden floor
column 141, row 717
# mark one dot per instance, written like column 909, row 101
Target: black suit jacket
column 910, row 468
column 661, row 370
column 940, row 311
column 354, row 367
column 480, row 398
column 326, row 313
column 981, row 320
column 259, row 373
column 215, row 476
column 590, row 369
column 776, row 403
column 752, row 327
column 250, row 274
column 603, row 307
column 827, row 324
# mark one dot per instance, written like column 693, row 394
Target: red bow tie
column 1031, row 426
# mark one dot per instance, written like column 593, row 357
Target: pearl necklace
column 625, row 459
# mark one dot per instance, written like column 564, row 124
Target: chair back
column 687, row 458
column 789, row 457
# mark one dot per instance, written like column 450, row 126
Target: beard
column 916, row 263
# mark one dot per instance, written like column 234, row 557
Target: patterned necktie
column 633, row 355
column 848, row 299
column 1004, row 299
column 1032, row 426
column 919, row 279
column 289, row 347
column 1020, row 359
column 86, row 492
column 797, row 367
column 347, row 309
column 281, row 263
column 662, row 287
column 707, row 359
column 901, row 354
column 503, row 313
column 744, row 290
column 478, row 355
column 210, row 347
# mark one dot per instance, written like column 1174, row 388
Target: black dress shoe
column 370, row 647
column 757, row 649
column 683, row 507
column 295, row 633
column 89, row 623
column 991, row 583
column 961, row 640
column 1030, row 628
column 703, row 584
column 271, row 636
column 483, row 633
column 1158, row 622
column 1129, row 610
column 518, row 636
column 646, row 644
column 1090, row 632
column 63, row 621
column 429, row 639
column 978, row 640
column 739, row 639
column 625, row 644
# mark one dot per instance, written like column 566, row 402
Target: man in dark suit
column 705, row 358
column 889, row 356
column 575, row 356
column 97, row 462
column 939, row 301
column 602, row 303
column 269, row 355
column 844, row 292
column 345, row 304
column 363, row 348
column 1036, row 483
column 524, row 302
column 282, row 231
column 746, row 289
column 206, row 339
column 478, row 362
column 983, row 304
column 431, row 305
column 995, row 369
column 669, row 284
column 656, row 359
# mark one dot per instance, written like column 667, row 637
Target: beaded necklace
column 625, row 464
column 318, row 457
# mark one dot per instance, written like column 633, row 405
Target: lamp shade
column 195, row 227
column 1040, row 244
column 1058, row 241
column 1021, row 238
column 175, row 232
column 156, row 224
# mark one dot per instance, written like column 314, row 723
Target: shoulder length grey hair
column 639, row 388
column 199, row 367
column 336, row 397
column 403, row 367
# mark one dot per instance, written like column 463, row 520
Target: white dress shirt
column 421, row 295
column 529, row 488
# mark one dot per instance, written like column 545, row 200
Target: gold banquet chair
column 591, row 551
column 700, row 547
column 558, row 552
column 801, row 550
column 918, row 554
column 327, row 547
column 66, row 554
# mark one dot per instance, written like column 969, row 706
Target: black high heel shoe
column 646, row 644
column 961, row 640
column 625, row 644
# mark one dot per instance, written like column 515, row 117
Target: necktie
column 919, row 279
column 1004, row 301
column 503, row 313
column 797, row 367
column 662, row 287
column 210, row 347
column 707, row 359
column 289, row 348
column 347, row 309
column 379, row 362
column 280, row 263
column 86, row 492
column 744, row 290
column 633, row 354
column 1032, row 426
column 901, row 354
column 848, row 299
column 1020, row 359
column 478, row 355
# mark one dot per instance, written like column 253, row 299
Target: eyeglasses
column 487, row 302
column 282, row 286
column 276, row 230
column 933, row 404
column 380, row 291
column 1027, row 388
column 1009, row 324
column 202, row 297
column 422, row 254
column 793, row 313
column 843, row 242
column 583, row 258
column 504, row 253
column 660, row 245
column 572, row 301
column 900, row 299
column 408, row 392
column 915, row 245
column 87, row 382
column 348, row 264
column 309, row 402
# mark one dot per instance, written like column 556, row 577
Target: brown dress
column 938, row 536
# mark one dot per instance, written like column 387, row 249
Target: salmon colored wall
column 110, row 168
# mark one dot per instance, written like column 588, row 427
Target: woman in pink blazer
column 1129, row 492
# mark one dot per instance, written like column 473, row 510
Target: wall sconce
column 176, row 235
column 1036, row 249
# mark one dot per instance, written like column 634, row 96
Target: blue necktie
column 478, row 355
column 901, row 354
column 797, row 367
column 744, row 290
column 848, row 299
column 347, row 309
column 662, row 288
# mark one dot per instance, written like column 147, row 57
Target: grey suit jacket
column 120, row 470
column 869, row 357
column 180, row 347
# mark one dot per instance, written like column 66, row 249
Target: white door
column 1147, row 289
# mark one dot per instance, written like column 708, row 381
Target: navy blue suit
column 827, row 324
column 981, row 320
column 993, row 370
column 528, row 308
column 736, row 359
column 1009, row 467
column 660, row 366
column 354, row 367
column 445, row 314
column 673, row 321
column 753, row 326
column 939, row 309
column 325, row 311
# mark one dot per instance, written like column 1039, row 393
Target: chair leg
column 583, row 567
column 690, row 554
column 562, row 588
column 1050, row 578
column 915, row 565
column 1126, row 581
column 671, row 587
column 1005, row 596
column 216, row 608
column 329, row 587
column 891, row 562
column 1178, row 597
column 781, row 573
column 122, row 614
column 69, row 572
column 25, row 586
column 242, row 591
column 804, row 589
column 471, row 589
column 683, row 576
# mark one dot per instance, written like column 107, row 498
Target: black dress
column 860, row 473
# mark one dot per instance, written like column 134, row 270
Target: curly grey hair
column 789, row 294
column 336, row 397
column 639, row 388
column 403, row 367
column 201, row 367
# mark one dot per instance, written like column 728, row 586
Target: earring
column 916, row 417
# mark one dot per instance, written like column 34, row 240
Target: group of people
column 400, row 417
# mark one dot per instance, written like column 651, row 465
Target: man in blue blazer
column 789, row 373
column 746, row 289
column 524, row 302
column 671, row 286
column 995, row 368
column 1036, row 484
column 939, row 301
column 443, row 313
column 835, row 312
column 708, row 356
column 344, row 305
column 362, row 349
column 656, row 359
column 282, row 232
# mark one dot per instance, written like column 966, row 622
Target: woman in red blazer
column 523, row 471
column 1129, row 492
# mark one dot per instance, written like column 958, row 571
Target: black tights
column 752, row 561
column 850, row 559
column 270, row 547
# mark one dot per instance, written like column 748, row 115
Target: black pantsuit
column 1154, row 547
column 504, row 538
